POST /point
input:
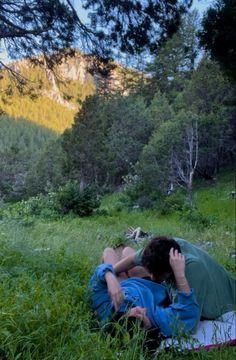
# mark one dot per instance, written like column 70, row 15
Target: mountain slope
column 52, row 97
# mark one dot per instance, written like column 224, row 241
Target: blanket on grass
column 210, row 333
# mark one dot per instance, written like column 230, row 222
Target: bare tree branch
column 23, row 33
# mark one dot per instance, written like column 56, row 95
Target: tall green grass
column 45, row 267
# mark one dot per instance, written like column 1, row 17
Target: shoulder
column 185, row 245
column 193, row 254
column 196, row 272
column 193, row 263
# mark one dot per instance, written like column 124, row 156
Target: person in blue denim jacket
column 143, row 298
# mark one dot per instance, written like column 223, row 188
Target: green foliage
column 106, row 138
column 210, row 95
column 57, row 19
column 175, row 202
column 67, row 199
column 154, row 165
column 178, row 124
column 196, row 218
column 218, row 34
column 129, row 132
column 136, row 26
column 175, row 61
column 21, row 145
column 71, row 199
column 194, row 136
column 159, row 111
column 48, row 172
column 45, row 312
column 135, row 195
column 114, row 203
column 24, row 210
column 213, row 195
column 39, row 315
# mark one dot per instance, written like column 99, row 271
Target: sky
column 200, row 5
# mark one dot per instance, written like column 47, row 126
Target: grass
column 45, row 266
column 215, row 200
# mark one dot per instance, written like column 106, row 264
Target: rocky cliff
column 51, row 96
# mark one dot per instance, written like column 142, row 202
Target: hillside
column 21, row 145
column 51, row 98
column 45, row 270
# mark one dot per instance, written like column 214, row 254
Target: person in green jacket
column 214, row 287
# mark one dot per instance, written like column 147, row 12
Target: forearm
column 124, row 265
column 110, row 279
column 182, row 283
column 114, row 289
column 177, row 263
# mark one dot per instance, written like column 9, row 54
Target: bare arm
column 114, row 289
column 124, row 265
column 113, row 284
column 177, row 263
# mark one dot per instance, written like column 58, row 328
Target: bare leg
column 110, row 256
column 137, row 271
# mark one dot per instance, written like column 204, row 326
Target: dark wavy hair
column 155, row 257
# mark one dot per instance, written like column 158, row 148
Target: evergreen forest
column 153, row 136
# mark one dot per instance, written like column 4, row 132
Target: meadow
column 45, row 266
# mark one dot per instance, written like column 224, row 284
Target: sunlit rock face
column 50, row 95
column 74, row 69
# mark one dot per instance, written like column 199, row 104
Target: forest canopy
column 175, row 124
column 218, row 34
column 30, row 27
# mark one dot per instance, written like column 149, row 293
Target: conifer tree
column 218, row 34
column 43, row 26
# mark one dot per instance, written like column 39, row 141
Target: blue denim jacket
column 172, row 320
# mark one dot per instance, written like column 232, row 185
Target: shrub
column 144, row 202
column 173, row 202
column 132, row 187
column 68, row 199
column 197, row 218
column 34, row 206
column 71, row 199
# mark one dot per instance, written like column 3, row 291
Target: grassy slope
column 45, row 267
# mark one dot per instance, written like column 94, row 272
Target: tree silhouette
column 29, row 27
column 219, row 34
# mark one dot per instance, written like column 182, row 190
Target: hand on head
column 177, row 262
